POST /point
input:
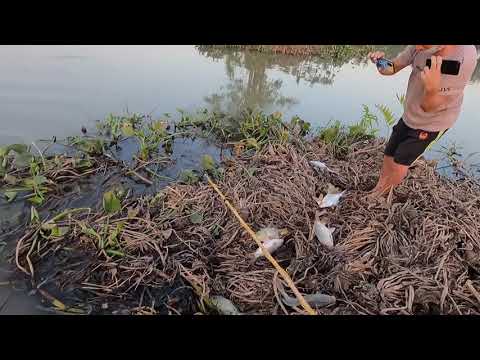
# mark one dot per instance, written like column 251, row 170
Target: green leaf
column 34, row 217
column 18, row 148
column 36, row 200
column 59, row 231
column 90, row 232
column 113, row 237
column 82, row 163
column 208, row 163
column 387, row 114
column 111, row 204
column 63, row 230
column 39, row 180
column 49, row 226
column 251, row 143
column 188, row 177
column 160, row 127
column 114, row 252
column 132, row 213
column 196, row 218
column 10, row 179
column 127, row 129
column 22, row 160
column 10, row 195
column 93, row 147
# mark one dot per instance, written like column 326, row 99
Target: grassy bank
column 327, row 51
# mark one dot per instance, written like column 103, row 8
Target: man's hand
column 374, row 56
column 377, row 55
column 431, row 77
column 432, row 99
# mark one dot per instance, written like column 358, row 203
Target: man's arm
column 400, row 62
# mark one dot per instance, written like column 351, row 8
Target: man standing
column 432, row 104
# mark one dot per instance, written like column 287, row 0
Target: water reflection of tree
column 252, row 89
column 249, row 84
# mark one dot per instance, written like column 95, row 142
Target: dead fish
column 316, row 299
column 332, row 198
column 268, row 234
column 319, row 165
column 271, row 245
column 224, row 306
column 323, row 233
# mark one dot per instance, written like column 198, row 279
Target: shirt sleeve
column 405, row 58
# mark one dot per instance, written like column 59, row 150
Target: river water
column 55, row 90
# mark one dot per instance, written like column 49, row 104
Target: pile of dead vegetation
column 183, row 252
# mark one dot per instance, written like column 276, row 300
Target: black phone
column 449, row 67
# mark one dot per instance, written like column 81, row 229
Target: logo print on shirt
column 423, row 135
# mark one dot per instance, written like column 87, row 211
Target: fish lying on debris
column 224, row 306
column 268, row 233
column 332, row 198
column 271, row 245
column 319, row 165
column 323, row 233
column 316, row 299
column 271, row 240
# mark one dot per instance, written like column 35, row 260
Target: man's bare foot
column 376, row 195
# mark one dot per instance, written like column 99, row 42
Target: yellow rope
column 282, row 272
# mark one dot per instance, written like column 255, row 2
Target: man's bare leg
column 387, row 168
column 394, row 177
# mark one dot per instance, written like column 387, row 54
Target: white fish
column 271, row 245
column 267, row 234
column 317, row 299
column 332, row 198
column 224, row 306
column 323, row 233
column 319, row 165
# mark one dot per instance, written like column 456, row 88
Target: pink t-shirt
column 453, row 85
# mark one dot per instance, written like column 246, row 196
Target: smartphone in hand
column 449, row 67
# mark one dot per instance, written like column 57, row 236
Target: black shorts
column 406, row 144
